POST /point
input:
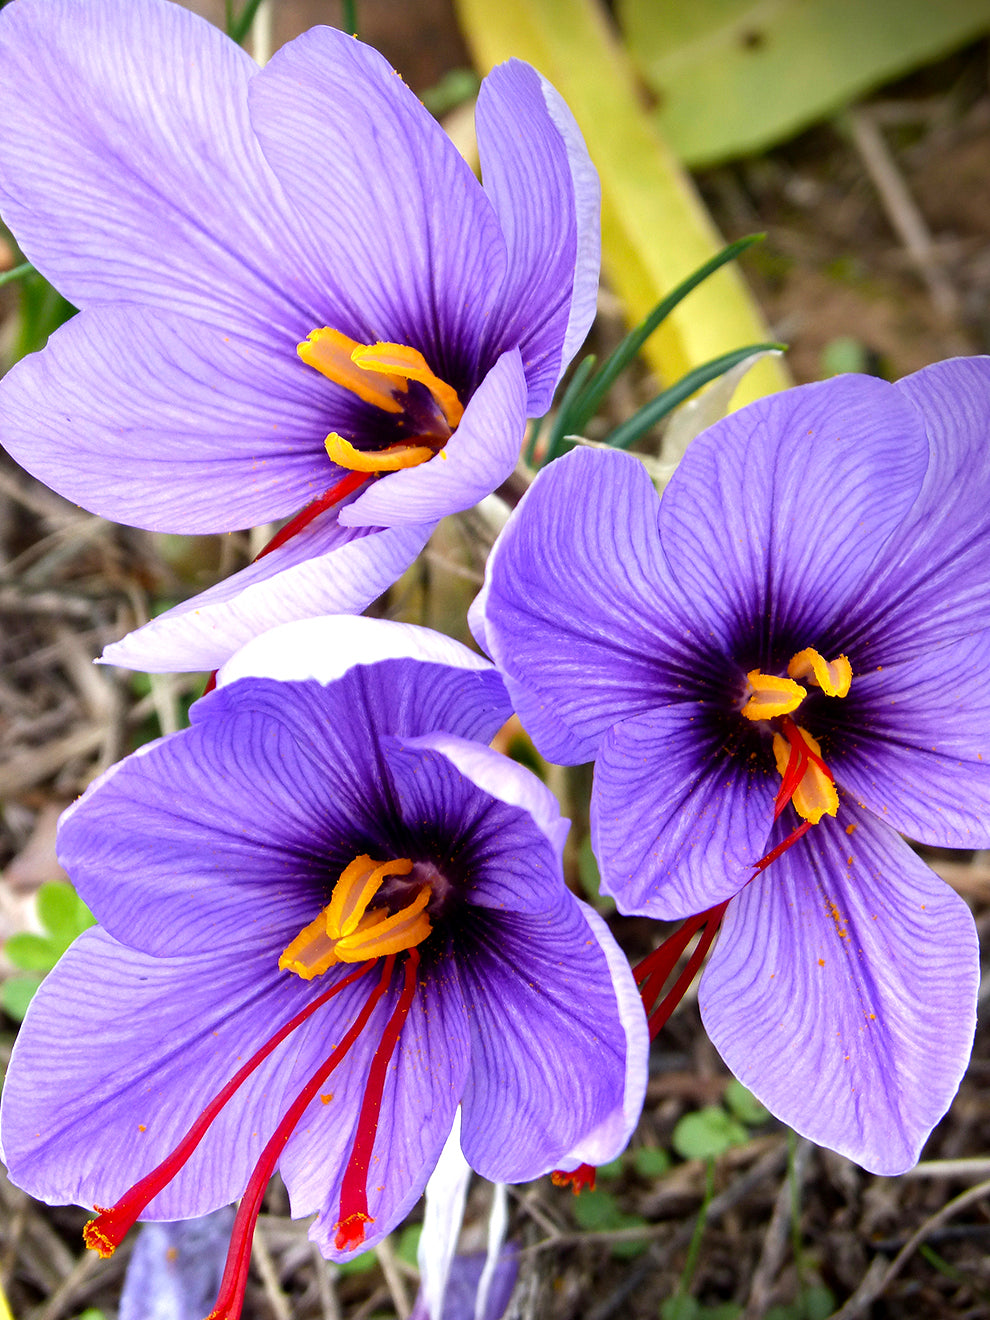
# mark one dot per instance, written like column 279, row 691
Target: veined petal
column 476, row 459
column 500, row 858
column 384, row 194
column 502, row 778
column 573, row 604
column 540, row 179
column 842, row 991
column 927, row 595
column 422, row 1091
column 915, row 746
column 775, row 517
column 558, row 1045
column 677, row 823
column 325, row 569
column 120, row 1052
column 129, row 170
column 163, row 422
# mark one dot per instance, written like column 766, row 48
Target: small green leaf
column 707, row 1134
column 744, row 1104
column 16, row 993
column 611, row 1170
column 650, row 1161
column 33, row 953
column 680, row 1307
column 62, row 912
column 597, row 1211
column 842, row 354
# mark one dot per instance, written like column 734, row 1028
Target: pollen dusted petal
column 815, row 795
column 392, row 459
column 331, row 354
column 834, row 677
column 771, row 695
column 410, row 363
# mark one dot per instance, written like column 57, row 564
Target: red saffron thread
column 580, row 1178
column 231, row 1295
column 107, row 1230
column 340, row 491
column 654, row 971
column 354, row 1184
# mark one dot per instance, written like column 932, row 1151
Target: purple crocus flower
column 295, row 296
column 778, row 668
column 329, row 917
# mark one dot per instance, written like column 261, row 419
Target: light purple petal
column 677, row 822
column 129, row 170
column 842, row 991
column 919, row 755
column 558, row 1043
column 573, row 609
column 477, row 458
column 325, row 569
column 776, row 515
column 545, row 190
column 443, row 1215
column 422, row 1091
column 927, row 594
column 503, row 778
column 325, row 649
column 163, row 422
column 120, row 1052
column 384, row 194
column 175, row 1269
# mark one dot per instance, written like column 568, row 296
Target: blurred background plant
column 856, row 138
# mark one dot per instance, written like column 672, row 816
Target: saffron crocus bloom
column 778, row 668
column 329, row 917
column 295, row 296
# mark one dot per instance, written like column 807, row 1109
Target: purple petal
column 325, row 649
column 167, row 423
column 559, row 1043
column 545, row 191
column 234, row 823
column 384, row 193
column 325, row 569
column 476, row 459
column 120, row 1052
column 175, row 1269
column 502, row 778
column 776, row 515
column 919, row 755
column 677, row 822
column 129, row 170
column 842, row 991
column 572, row 605
column 422, row 1090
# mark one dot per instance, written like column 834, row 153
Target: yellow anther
column 815, row 796
column 346, row 931
column 770, row 695
column 832, row 676
column 332, row 355
column 343, row 453
column 402, row 360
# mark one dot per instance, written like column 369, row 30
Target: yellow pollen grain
column 851, row 829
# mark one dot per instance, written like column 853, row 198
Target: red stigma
column 580, row 1178
column 339, row 491
column 354, row 1185
column 655, row 969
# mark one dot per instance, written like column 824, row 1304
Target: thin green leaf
column 348, row 17
column 630, row 431
column 620, row 357
column 16, row 273
column 239, row 25
column 562, row 422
